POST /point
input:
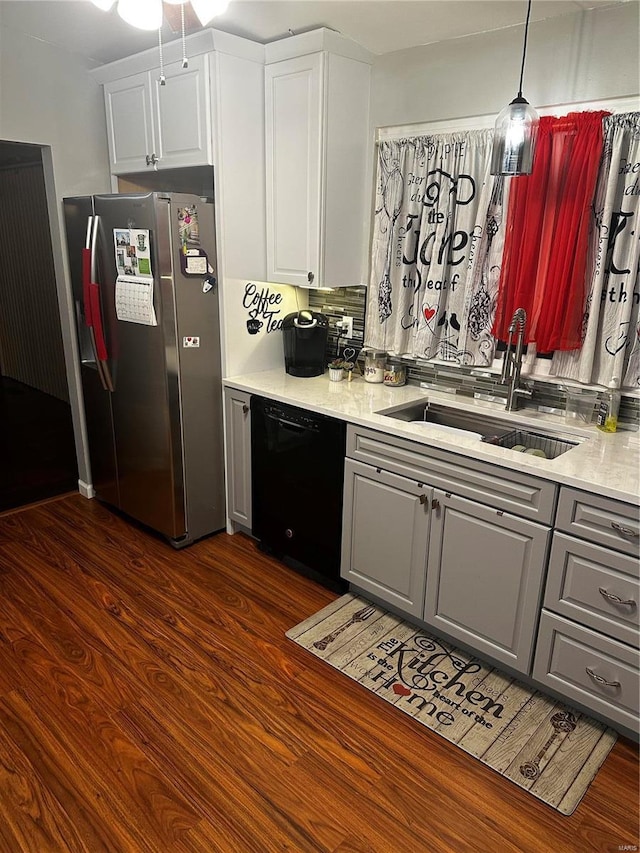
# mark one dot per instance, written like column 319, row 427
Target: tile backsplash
column 463, row 381
column 336, row 304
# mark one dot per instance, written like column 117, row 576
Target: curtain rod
column 623, row 104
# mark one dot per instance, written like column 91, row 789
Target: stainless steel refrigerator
column 143, row 270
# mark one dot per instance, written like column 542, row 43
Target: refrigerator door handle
column 86, row 275
column 86, row 298
column 95, row 313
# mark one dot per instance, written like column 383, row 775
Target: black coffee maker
column 304, row 334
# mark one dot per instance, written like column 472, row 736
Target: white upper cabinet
column 167, row 126
column 318, row 160
column 182, row 114
column 129, row 123
column 208, row 114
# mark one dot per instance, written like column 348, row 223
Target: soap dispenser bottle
column 608, row 415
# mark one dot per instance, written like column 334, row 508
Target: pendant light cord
column 524, row 48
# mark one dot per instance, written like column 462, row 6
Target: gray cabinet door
column 238, row 455
column 385, row 535
column 485, row 578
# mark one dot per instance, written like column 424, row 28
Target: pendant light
column 516, row 128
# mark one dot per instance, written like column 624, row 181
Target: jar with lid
column 374, row 364
column 394, row 375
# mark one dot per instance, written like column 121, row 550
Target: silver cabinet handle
column 626, row 531
column 615, row 599
column 600, row 680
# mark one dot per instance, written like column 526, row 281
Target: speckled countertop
column 606, row 464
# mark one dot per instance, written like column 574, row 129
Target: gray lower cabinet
column 596, row 587
column 464, row 547
column 484, row 578
column 237, row 407
column 589, row 668
column 385, row 535
column 587, row 647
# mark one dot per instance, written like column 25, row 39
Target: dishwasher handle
column 291, row 425
column 280, row 417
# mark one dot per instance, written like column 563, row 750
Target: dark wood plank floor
column 149, row 701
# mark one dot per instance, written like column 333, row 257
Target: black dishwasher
column 297, row 473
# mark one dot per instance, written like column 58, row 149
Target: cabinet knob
column 245, row 409
column 435, row 504
column 310, row 277
column 423, row 499
column 151, row 159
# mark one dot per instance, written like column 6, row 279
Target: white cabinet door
column 317, row 168
column 129, row 123
column 293, row 106
column 168, row 126
column 182, row 115
column 384, row 535
column 485, row 578
column 237, row 406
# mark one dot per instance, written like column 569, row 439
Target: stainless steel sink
column 491, row 429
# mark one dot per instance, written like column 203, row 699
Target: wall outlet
column 346, row 327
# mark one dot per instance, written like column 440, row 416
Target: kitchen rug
column 549, row 749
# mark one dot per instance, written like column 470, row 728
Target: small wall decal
column 263, row 307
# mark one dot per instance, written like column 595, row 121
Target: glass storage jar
column 394, row 375
column 374, row 364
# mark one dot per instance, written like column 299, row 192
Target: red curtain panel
column 546, row 239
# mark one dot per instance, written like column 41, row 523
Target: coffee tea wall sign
column 264, row 307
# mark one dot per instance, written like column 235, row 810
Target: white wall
column 588, row 56
column 48, row 98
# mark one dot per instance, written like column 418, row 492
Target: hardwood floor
column 149, row 701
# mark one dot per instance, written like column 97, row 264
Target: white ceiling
column 381, row 26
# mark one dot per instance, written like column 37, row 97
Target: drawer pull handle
column 626, row 531
column 600, row 680
column 615, row 599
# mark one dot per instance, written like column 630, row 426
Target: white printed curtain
column 438, row 239
column 436, row 208
column 611, row 330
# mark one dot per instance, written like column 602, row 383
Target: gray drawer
column 601, row 520
column 594, row 586
column 565, row 655
column 514, row 492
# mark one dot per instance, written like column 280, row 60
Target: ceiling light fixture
column 206, row 10
column 147, row 14
column 516, row 129
column 143, row 14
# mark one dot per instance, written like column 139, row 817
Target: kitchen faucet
column 512, row 362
